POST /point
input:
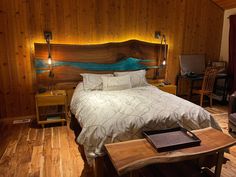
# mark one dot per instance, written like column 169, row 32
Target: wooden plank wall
column 190, row 26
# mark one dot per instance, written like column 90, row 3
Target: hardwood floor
column 30, row 151
column 27, row 150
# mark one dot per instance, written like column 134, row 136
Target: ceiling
column 226, row 4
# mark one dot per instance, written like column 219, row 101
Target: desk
column 135, row 154
column 185, row 85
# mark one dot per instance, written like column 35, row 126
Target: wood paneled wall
column 190, row 26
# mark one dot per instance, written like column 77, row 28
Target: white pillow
column 137, row 78
column 93, row 81
column 116, row 83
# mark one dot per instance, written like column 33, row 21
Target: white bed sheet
column 114, row 116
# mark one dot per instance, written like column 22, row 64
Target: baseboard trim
column 10, row 119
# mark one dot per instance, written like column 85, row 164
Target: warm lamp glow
column 164, row 62
column 49, row 60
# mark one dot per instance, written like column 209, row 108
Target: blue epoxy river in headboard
column 122, row 65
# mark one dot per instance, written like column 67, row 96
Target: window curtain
column 232, row 54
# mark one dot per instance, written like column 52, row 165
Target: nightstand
column 166, row 88
column 51, row 107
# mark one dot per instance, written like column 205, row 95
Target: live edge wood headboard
column 99, row 53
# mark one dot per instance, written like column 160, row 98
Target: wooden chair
column 207, row 84
column 232, row 113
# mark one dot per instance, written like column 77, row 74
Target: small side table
column 51, row 107
column 166, row 88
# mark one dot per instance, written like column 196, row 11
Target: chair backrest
column 209, row 78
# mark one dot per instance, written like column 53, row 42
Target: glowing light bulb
column 49, row 60
column 164, row 62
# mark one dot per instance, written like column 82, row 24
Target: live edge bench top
column 130, row 155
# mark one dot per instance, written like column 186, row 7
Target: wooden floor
column 30, row 151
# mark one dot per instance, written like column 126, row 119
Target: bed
column 114, row 116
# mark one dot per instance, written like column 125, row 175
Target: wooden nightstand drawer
column 168, row 88
column 57, row 97
column 51, row 100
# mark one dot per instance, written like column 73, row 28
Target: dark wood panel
column 100, row 53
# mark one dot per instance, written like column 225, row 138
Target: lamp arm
column 49, row 47
column 163, row 39
column 49, row 53
column 165, row 48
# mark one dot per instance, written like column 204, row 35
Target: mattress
column 114, row 116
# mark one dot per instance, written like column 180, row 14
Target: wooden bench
column 132, row 155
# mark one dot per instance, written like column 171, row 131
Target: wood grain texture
column 131, row 155
column 37, row 152
column 226, row 4
column 190, row 27
column 101, row 53
column 201, row 40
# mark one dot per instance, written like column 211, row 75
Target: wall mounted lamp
column 165, row 49
column 158, row 35
column 162, row 57
column 48, row 37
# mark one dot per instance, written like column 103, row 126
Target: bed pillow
column 137, row 78
column 93, row 81
column 116, row 83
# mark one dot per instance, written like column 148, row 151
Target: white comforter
column 113, row 116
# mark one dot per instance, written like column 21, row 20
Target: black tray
column 171, row 139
